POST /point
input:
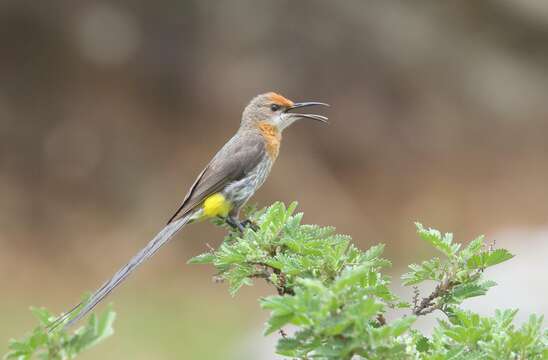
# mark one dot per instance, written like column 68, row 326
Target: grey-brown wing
column 188, row 195
column 233, row 162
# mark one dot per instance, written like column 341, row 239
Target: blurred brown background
column 108, row 111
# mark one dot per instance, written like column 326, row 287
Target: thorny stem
column 416, row 295
column 282, row 289
column 428, row 304
column 265, row 271
column 381, row 319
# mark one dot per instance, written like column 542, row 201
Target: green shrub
column 336, row 295
column 59, row 344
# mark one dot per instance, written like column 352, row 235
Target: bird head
column 277, row 110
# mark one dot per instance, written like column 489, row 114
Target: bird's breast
column 272, row 138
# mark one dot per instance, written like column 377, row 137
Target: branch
column 428, row 304
column 265, row 274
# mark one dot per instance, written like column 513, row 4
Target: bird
column 223, row 187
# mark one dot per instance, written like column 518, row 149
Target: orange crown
column 280, row 100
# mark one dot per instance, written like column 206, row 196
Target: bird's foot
column 236, row 225
column 251, row 224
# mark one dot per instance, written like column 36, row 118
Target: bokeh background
column 108, row 111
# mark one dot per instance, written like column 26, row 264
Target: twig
column 416, row 295
column 428, row 304
column 381, row 319
column 267, row 271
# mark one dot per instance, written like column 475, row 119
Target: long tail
column 85, row 307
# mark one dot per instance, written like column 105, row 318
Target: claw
column 236, row 225
column 250, row 224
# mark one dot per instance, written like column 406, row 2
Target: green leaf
column 473, row 248
column 365, row 309
column 487, row 259
column 423, row 344
column 374, row 252
column 401, row 325
column 288, row 347
column 105, row 324
column 59, row 344
column 277, row 322
column 205, row 258
column 428, row 270
column 469, row 290
column 42, row 314
column 335, row 325
column 352, row 276
column 498, row 256
column 443, row 243
column 277, row 303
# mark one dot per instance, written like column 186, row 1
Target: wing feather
column 234, row 161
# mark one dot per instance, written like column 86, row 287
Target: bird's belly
column 240, row 191
column 216, row 205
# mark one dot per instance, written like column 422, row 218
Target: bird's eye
column 275, row 107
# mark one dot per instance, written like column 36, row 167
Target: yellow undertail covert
column 216, row 205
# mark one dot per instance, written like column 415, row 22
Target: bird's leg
column 251, row 224
column 235, row 224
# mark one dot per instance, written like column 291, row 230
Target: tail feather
column 85, row 307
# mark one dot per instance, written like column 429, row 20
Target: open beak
column 308, row 116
